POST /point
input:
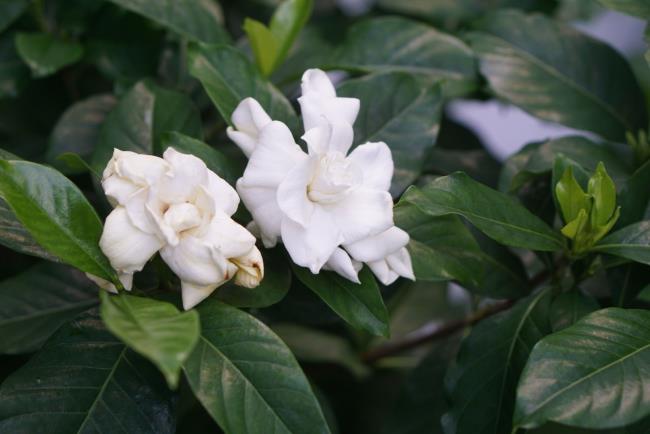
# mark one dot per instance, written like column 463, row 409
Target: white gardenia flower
column 331, row 209
column 177, row 206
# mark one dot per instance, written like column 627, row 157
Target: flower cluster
column 177, row 206
column 331, row 209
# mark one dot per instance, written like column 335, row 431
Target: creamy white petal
column 383, row 272
column 319, row 103
column 376, row 247
column 376, row 163
column 188, row 172
column 313, row 245
column 118, row 190
column 231, row 239
column 248, row 118
column 393, row 266
column 341, row 263
column 141, row 169
column 363, row 212
column 250, row 268
column 316, row 81
column 245, row 142
column 292, row 192
column 262, row 203
column 332, row 136
column 193, row 294
column 128, row 249
column 224, row 195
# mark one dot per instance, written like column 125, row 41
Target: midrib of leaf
column 363, row 305
column 46, row 312
column 397, row 115
column 585, row 378
column 103, row 389
column 551, row 70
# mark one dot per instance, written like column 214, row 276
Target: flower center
column 182, row 216
column 333, row 178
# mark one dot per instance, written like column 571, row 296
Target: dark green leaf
column 361, row 305
column 34, row 303
column 272, row 289
column 634, row 198
column 198, row 20
column 483, row 382
column 397, row 44
column 14, row 74
column 263, row 43
column 246, row 377
column 228, row 77
column 214, row 159
column 287, row 21
column 155, row 329
column 592, row 374
column 395, row 109
column 640, row 8
column 569, row 307
column 86, row 381
column 78, row 129
column 546, row 68
column 497, row 215
column 632, row 242
column 44, row 54
column 10, row 10
column 56, row 214
column 14, row 235
column 140, row 119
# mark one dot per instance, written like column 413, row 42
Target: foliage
column 532, row 274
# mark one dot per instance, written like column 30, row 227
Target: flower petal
column 363, row 212
column 311, row 246
column 225, row 197
column 316, row 81
column 193, row 294
column 376, row 247
column 383, row 272
column 140, row 169
column 250, row 269
column 319, row 103
column 341, row 263
column 334, row 136
column 248, row 118
column 261, row 202
column 128, row 249
column 376, row 162
column 393, row 266
column 292, row 192
column 188, row 172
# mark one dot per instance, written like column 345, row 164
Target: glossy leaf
column 16, row 237
column 568, row 307
column 199, row 20
column 571, row 197
column 84, row 380
column 10, row 10
column 154, row 329
column 361, row 305
column 246, row 377
column 482, row 384
column 287, row 21
column 14, row 74
column 44, row 54
column 591, row 375
column 632, row 242
column 140, row 119
column 56, row 214
column 34, row 303
column 263, row 44
column 397, row 110
column 77, row 130
column 228, row 77
column 499, row 216
column 398, row 44
column 635, row 197
column 546, row 68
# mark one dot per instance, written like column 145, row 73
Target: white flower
column 331, row 210
column 177, row 206
column 249, row 119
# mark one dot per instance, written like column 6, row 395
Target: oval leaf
column 44, row 54
column 569, row 307
column 591, row 375
column 246, row 377
column 631, row 242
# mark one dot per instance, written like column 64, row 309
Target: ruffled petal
column 248, row 118
column 376, row 163
column 188, row 173
column 311, row 246
column 292, row 192
column 127, row 248
column 319, row 103
column 376, row 247
column 250, row 269
column 225, row 197
column 141, row 169
column 335, row 137
column 341, row 263
column 363, row 212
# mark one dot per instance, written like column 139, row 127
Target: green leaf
column 77, row 130
column 361, row 305
column 482, row 384
column 263, row 43
column 228, row 77
column 287, row 21
column 199, row 20
column 571, row 197
column 272, row 289
column 14, row 74
column 635, row 197
column 214, row 159
column 568, row 307
column 539, row 159
column 591, row 375
column 640, row 8
column 44, row 54
column 141, row 118
column 397, row 110
column 85, row 380
column 10, row 10
column 632, row 242
column 56, row 214
column 603, row 190
column 246, row 377
column 499, row 216
column 398, row 44
column 154, row 329
column 546, row 68
column 16, row 237
column 34, row 303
